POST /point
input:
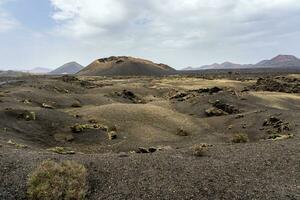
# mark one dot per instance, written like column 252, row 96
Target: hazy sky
column 181, row 33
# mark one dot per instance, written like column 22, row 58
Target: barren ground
column 38, row 111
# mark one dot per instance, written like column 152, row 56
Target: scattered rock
column 239, row 116
column 277, row 124
column 279, row 84
column 126, row 94
column 227, row 108
column 112, row 135
column 47, row 106
column 146, row 150
column 152, row 149
column 142, row 150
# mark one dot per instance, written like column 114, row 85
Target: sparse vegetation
column 280, row 137
column 28, row 116
column 199, row 149
column 10, row 142
column 240, row 138
column 61, row 150
column 52, row 180
column 78, row 128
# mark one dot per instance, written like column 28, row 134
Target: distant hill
column 284, row 61
column 68, row 68
column 280, row 61
column 125, row 66
column 225, row 65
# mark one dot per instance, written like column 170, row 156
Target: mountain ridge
column 279, row 61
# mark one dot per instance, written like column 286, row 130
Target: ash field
column 161, row 135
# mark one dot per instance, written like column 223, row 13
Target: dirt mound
column 125, row 66
column 278, row 84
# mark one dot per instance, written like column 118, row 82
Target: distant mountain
column 188, row 68
column 125, row 66
column 283, row 61
column 280, row 61
column 225, row 65
column 38, row 70
column 68, row 68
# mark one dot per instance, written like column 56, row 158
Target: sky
column 180, row 33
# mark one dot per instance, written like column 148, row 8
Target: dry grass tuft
column 199, row 150
column 240, row 138
column 58, row 181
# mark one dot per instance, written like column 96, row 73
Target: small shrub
column 181, row 132
column 78, row 128
column 76, row 104
column 55, row 181
column 240, row 138
column 199, row 149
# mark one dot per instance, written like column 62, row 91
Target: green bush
column 58, row 181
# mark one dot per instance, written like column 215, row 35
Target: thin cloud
column 7, row 22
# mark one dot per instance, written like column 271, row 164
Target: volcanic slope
column 125, row 66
